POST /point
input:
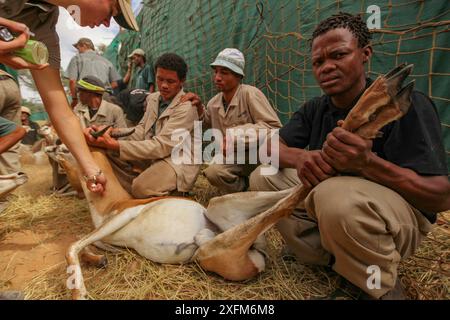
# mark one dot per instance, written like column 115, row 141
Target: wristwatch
column 5, row 34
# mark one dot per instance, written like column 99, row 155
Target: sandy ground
column 25, row 252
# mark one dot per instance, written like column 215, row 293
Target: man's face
column 24, row 117
column 95, row 13
column 84, row 96
column 338, row 62
column 225, row 80
column 168, row 83
column 137, row 59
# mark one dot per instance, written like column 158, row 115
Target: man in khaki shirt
column 93, row 109
column 142, row 162
column 237, row 106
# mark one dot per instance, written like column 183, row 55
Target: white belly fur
column 163, row 231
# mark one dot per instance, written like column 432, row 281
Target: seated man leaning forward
column 92, row 109
column 385, row 200
column 237, row 106
column 142, row 162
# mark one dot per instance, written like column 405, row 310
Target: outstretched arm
column 11, row 139
column 66, row 123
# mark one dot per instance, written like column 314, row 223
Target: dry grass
column 129, row 276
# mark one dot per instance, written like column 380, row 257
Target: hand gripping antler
column 383, row 102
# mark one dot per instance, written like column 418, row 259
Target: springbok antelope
column 177, row 230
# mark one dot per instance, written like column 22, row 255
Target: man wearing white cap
column 40, row 17
column 140, row 72
column 89, row 63
column 236, row 106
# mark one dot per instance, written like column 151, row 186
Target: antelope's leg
column 383, row 91
column 228, row 253
column 373, row 99
column 107, row 228
column 396, row 109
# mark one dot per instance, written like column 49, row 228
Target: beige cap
column 138, row 52
column 126, row 17
column 26, row 110
column 85, row 41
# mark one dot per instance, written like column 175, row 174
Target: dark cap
column 91, row 84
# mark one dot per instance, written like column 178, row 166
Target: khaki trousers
column 159, row 179
column 358, row 222
column 10, row 103
column 229, row 178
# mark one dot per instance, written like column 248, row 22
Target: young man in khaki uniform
column 237, row 106
column 142, row 161
column 40, row 17
column 10, row 109
column 93, row 109
column 363, row 222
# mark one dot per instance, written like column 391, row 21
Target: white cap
column 232, row 59
column 138, row 52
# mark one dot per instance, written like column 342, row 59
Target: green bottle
column 34, row 52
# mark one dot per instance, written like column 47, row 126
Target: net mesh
column 273, row 34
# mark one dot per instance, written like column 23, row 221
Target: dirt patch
column 25, row 253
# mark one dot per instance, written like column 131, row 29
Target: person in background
column 92, row 109
column 140, row 73
column 32, row 128
column 88, row 62
column 10, row 103
column 237, row 106
column 133, row 102
column 143, row 161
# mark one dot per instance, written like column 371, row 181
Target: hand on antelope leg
column 346, row 151
column 313, row 169
column 104, row 141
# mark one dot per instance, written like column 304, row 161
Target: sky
column 69, row 33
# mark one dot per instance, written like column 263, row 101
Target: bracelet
column 94, row 177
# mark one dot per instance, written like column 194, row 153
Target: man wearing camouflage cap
column 93, row 109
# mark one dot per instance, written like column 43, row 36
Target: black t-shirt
column 32, row 135
column 414, row 141
column 133, row 103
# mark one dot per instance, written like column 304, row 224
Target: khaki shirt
column 145, row 146
column 107, row 114
column 41, row 18
column 249, row 108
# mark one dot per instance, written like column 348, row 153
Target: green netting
column 273, row 35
